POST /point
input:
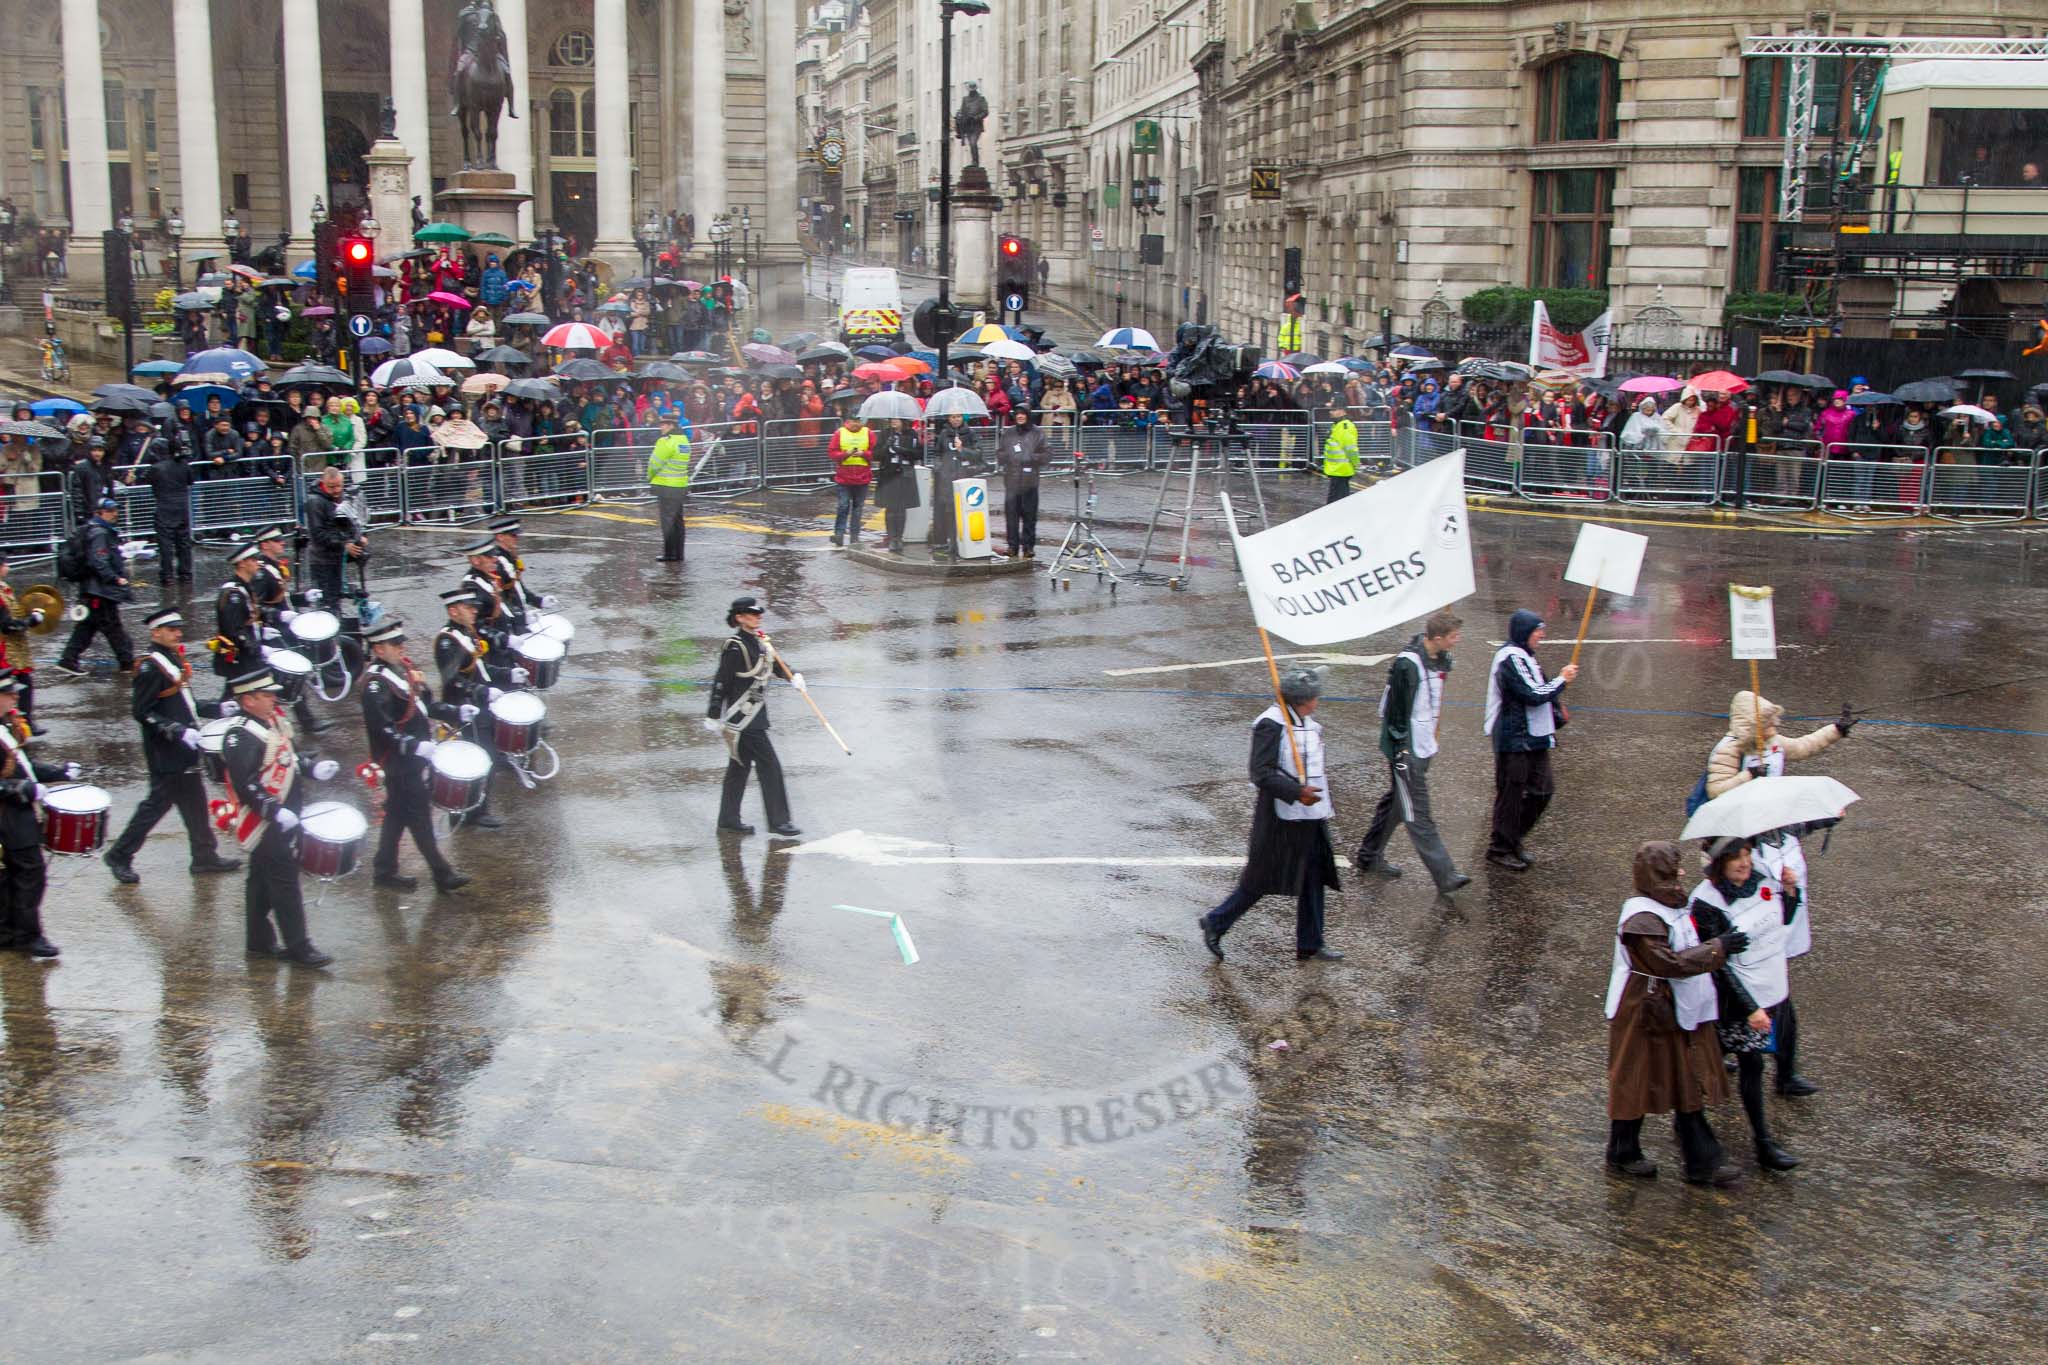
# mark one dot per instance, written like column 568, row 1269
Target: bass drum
column 331, row 838
column 461, row 769
column 541, row 656
column 292, row 670
column 212, row 736
column 516, row 720
column 75, row 819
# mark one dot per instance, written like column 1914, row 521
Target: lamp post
column 947, row 9
column 721, row 237
column 319, row 213
column 747, row 250
column 175, row 226
column 126, row 223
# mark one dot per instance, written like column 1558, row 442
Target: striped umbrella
column 1129, row 339
column 408, row 372
column 981, row 336
column 576, row 336
column 1276, row 369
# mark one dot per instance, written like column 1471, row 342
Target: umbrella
column 1355, row 365
column 792, row 371
column 587, row 371
column 1410, row 350
column 442, row 296
column 822, row 355
column 876, row 352
column 1301, row 359
column 1428, row 366
column 1606, row 388
column 2006, row 376
column 947, row 402
column 1926, row 391
column 35, row 430
column 615, row 307
column 761, row 353
column 1006, row 349
column 418, row 253
column 662, row 370
column 443, row 359
column 575, row 336
column 1971, row 411
column 1276, row 369
column 318, row 310
column 1817, row 381
column 373, row 346
column 191, row 303
column 441, row 232
column 212, row 378
column 909, row 364
column 1332, row 367
column 888, row 404
column 1653, row 383
column 1086, row 360
column 1555, row 379
column 318, row 376
column 407, row 370
column 460, row 434
column 213, row 279
column 883, row 370
column 126, row 391
column 306, row 270
column 1769, row 803
column 503, row 355
column 56, row 407
column 247, row 272
column 121, row 403
column 1128, row 338
column 981, row 336
column 279, row 282
column 525, row 320
column 1718, row 381
column 797, row 341
column 195, row 396
column 518, row 284
column 1782, row 377
column 1055, row 366
column 695, row 358
column 1872, row 399
column 484, row 383
column 490, row 239
column 538, row 390
column 224, row 360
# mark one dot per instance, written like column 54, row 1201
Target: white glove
column 426, row 748
column 264, row 650
column 796, row 680
column 519, row 677
column 313, row 597
column 492, row 694
column 517, row 642
column 42, row 792
column 189, row 737
column 466, row 713
column 229, row 707
column 36, row 618
column 286, row 615
column 72, row 772
column 548, row 601
column 286, row 820
column 325, row 769
column 711, row 726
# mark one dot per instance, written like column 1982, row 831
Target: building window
column 562, row 123
column 1572, row 218
column 146, row 101
column 117, row 117
column 36, row 135
column 1988, row 146
column 1764, row 83
column 1576, row 98
column 1756, row 219
column 588, row 108
column 574, row 48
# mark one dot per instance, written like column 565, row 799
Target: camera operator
column 1023, row 454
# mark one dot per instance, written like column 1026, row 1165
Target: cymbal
column 47, row 599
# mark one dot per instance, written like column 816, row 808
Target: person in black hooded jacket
column 1523, row 711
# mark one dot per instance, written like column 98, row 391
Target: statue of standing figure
column 480, row 82
column 968, row 122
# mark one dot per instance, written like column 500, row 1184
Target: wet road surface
column 640, row 1093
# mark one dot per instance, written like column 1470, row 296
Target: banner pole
column 1586, row 618
column 1756, row 697
column 1293, row 741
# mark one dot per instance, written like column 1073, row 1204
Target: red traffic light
column 358, row 251
column 1013, row 246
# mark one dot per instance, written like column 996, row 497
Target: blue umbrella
column 194, row 396
column 877, row 352
column 373, row 346
column 227, row 360
column 55, row 407
column 930, row 358
column 518, row 284
column 1355, row 365
column 157, row 367
column 306, row 270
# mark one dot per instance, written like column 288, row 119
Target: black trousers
column 26, row 697
column 671, row 504
column 327, row 578
column 174, row 553
column 272, row 894
column 1785, row 1025
column 187, row 792
column 1308, row 909
column 1020, row 520
column 1696, row 1142
column 1339, row 487
column 23, row 878
column 1749, row 1067
column 754, row 752
column 101, row 618
column 408, row 810
column 1522, row 788
column 893, row 519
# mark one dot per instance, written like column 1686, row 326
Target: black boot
column 1772, row 1157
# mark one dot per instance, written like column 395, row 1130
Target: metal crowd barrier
column 1492, row 462
column 33, row 518
column 1962, row 490
column 1874, row 480
column 1788, row 476
column 545, row 472
column 1668, row 478
column 617, row 463
column 792, row 454
column 1560, row 465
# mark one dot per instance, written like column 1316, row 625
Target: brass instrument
column 44, row 598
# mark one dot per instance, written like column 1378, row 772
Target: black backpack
column 72, row 559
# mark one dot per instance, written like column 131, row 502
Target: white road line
column 1361, row 660
column 392, row 1336
column 410, row 1310
column 886, row 850
column 377, row 1236
column 366, row 1199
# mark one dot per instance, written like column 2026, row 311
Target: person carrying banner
column 1410, row 709
column 1289, row 850
column 1522, row 715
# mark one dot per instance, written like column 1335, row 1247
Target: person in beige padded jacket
column 1736, row 758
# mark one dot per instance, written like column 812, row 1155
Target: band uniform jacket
column 740, row 670
column 494, row 620
column 518, row 598
column 13, row 632
column 396, row 713
column 242, row 752
column 20, row 822
column 236, row 619
column 163, row 705
column 467, row 675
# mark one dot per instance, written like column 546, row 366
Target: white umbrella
column 443, row 359
column 407, row 370
column 1128, row 339
column 1971, row 411
column 889, row 403
column 460, row 434
column 1768, row 803
column 1328, row 367
column 947, row 402
column 1007, row 349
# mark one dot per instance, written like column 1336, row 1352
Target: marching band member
column 237, row 642
column 396, row 707
column 470, row 680
column 279, row 604
column 263, row 811
column 14, row 655
column 738, row 713
column 494, row 615
column 511, row 575
column 24, row 875
column 163, row 705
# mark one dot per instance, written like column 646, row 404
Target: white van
column 870, row 305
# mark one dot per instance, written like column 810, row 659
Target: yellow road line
column 1666, row 521
column 715, row 523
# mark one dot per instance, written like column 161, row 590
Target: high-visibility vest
column 853, row 446
column 669, row 465
column 1340, row 449
column 1290, row 333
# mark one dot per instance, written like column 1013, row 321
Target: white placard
column 1752, row 624
column 1607, row 559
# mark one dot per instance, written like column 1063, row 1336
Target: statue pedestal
column 483, row 201
column 390, row 184
column 974, row 213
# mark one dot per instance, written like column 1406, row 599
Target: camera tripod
column 1218, row 436
column 1082, row 551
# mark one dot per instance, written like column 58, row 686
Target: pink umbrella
column 318, row 310
column 575, row 336
column 1651, row 383
column 452, row 300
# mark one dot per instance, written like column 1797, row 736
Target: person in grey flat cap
column 1289, row 852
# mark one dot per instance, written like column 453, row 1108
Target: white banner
column 1752, row 624
column 1583, row 354
column 1380, row 557
column 1607, row 558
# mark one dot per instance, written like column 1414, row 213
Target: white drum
column 331, row 838
column 292, row 670
column 460, row 771
column 516, row 719
column 541, row 656
column 556, row 627
column 318, row 632
column 212, row 756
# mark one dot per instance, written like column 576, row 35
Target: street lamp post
column 721, row 238
column 175, row 226
column 126, row 222
column 748, row 251
column 947, row 9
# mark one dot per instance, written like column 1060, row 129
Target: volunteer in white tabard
column 1410, row 710
column 1739, row 894
column 1662, row 1053
column 1289, row 853
column 1523, row 712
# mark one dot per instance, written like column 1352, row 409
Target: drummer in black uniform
column 470, row 678
column 265, row 792
column 397, row 705
column 169, row 715
column 23, row 875
column 495, row 618
column 520, row 600
column 738, row 713
column 238, row 621
column 279, row 604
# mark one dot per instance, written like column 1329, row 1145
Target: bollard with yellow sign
column 970, row 518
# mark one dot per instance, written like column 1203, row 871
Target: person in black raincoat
column 1289, row 852
column 896, row 480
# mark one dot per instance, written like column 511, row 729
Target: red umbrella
column 883, row 370
column 1718, row 381
column 576, row 336
column 452, row 300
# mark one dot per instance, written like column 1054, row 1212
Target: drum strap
column 412, row 684
column 180, row 673
column 280, row 768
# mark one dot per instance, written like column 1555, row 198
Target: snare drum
column 460, row 771
column 331, row 839
column 541, row 656
column 212, row 736
column 75, row 818
column 317, row 632
column 292, row 670
column 516, row 721
column 556, row 627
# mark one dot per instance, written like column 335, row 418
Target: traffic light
column 1013, row 267
column 358, row 259
column 326, row 256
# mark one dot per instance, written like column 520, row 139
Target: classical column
column 85, row 107
column 780, row 271
column 305, row 119
column 410, row 93
column 198, row 140
column 614, row 172
column 515, row 136
column 707, row 115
